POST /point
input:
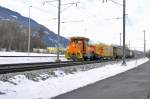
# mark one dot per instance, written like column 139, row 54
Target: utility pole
column 124, row 28
column 129, row 45
column 144, row 44
column 59, row 16
column 58, row 36
column 29, row 34
column 120, row 39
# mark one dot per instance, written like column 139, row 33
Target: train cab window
column 80, row 42
column 86, row 43
column 73, row 41
column 91, row 42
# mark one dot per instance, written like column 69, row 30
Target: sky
column 101, row 22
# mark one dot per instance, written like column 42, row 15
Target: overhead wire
column 69, row 5
column 115, row 2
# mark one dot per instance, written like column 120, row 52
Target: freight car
column 80, row 49
column 148, row 54
column 118, row 52
column 104, row 51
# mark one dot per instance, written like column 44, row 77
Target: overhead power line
column 116, row 2
column 69, row 5
column 49, row 1
column 72, row 21
column 72, row 3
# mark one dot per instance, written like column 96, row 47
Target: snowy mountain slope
column 49, row 37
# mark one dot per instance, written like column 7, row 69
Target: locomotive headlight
column 73, row 45
column 67, row 48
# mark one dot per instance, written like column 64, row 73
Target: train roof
column 79, row 38
column 118, row 46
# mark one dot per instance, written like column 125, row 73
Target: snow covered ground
column 25, row 54
column 20, row 87
column 9, row 60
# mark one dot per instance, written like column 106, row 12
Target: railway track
column 29, row 56
column 12, row 68
column 20, row 67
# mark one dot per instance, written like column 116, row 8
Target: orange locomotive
column 79, row 49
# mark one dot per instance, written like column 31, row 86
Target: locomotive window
column 79, row 42
column 90, row 42
column 75, row 41
column 86, row 43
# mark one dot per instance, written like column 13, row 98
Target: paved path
column 133, row 84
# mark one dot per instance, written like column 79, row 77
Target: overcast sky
column 101, row 22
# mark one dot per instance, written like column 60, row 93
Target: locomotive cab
column 77, row 48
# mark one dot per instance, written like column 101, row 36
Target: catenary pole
column 144, row 44
column 124, row 28
column 29, row 34
column 58, row 35
column 120, row 39
column 59, row 18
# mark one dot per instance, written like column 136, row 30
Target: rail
column 31, row 56
column 20, row 67
column 12, row 68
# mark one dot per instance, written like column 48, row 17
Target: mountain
column 46, row 35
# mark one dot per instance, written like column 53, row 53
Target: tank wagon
column 80, row 49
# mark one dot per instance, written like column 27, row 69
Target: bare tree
column 14, row 37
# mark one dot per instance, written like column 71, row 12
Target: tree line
column 14, row 37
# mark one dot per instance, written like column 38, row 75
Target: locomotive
column 79, row 49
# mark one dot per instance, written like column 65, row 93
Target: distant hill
column 46, row 35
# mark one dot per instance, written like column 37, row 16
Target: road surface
column 133, row 84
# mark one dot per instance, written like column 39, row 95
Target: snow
column 62, row 83
column 9, row 60
column 14, row 16
column 25, row 54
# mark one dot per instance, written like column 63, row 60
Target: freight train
column 148, row 54
column 79, row 49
